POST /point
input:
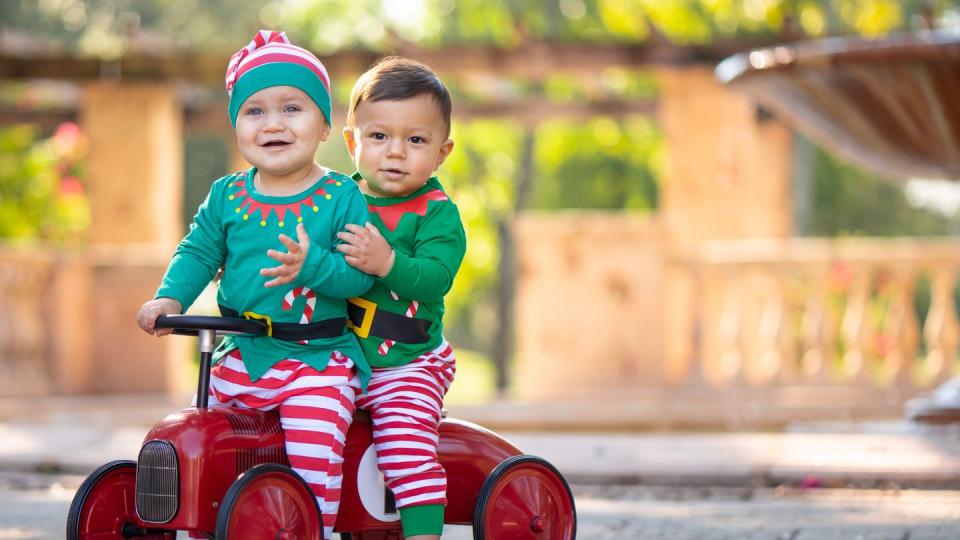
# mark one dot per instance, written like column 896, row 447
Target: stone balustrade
column 812, row 311
column 26, row 277
column 612, row 315
column 67, row 323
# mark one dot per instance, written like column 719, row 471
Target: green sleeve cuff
column 422, row 519
column 400, row 271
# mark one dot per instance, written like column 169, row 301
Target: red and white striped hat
column 271, row 60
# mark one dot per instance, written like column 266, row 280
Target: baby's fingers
column 302, row 236
column 357, row 229
column 281, row 257
column 349, row 238
column 281, row 275
column 347, row 249
column 282, row 280
column 292, row 246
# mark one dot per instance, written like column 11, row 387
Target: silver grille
column 247, row 458
column 260, row 424
column 158, row 482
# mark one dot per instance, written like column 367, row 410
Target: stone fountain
column 891, row 106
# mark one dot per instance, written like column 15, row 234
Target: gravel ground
column 34, row 506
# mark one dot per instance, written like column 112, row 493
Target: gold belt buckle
column 251, row 315
column 369, row 308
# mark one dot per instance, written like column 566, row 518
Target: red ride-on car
column 223, row 472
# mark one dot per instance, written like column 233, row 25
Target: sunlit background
column 550, row 141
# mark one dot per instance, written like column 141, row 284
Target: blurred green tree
column 41, row 194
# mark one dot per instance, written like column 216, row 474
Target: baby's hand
column 151, row 310
column 291, row 262
column 366, row 249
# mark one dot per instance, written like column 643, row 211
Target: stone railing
column 26, row 277
column 67, row 322
column 626, row 329
column 865, row 312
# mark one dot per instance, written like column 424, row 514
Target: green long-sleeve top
column 234, row 228
column 426, row 233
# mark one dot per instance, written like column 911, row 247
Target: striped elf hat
column 271, row 60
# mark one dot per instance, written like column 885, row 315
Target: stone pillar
column 728, row 175
column 135, row 166
column 729, row 164
column 135, row 178
column 588, row 291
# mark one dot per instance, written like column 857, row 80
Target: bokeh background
column 641, row 238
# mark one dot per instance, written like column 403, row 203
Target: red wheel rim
column 529, row 501
column 274, row 505
column 105, row 503
column 109, row 504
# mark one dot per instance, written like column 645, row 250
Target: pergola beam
column 533, row 61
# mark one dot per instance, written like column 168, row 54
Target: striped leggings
column 404, row 404
column 316, row 408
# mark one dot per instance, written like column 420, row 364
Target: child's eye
column 253, row 111
column 377, row 136
column 417, row 140
column 291, row 108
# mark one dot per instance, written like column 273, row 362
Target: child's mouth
column 275, row 143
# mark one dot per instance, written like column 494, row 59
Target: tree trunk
column 507, row 271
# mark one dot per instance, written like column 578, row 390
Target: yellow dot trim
column 327, row 196
column 263, row 223
column 316, row 208
column 339, row 183
column 299, row 219
column 231, row 197
column 246, row 217
column 281, row 224
column 237, row 211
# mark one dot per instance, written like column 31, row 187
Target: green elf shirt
column 235, row 227
column 426, row 234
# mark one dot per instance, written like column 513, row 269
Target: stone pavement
column 77, row 434
column 637, row 485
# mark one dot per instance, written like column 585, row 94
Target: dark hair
column 394, row 78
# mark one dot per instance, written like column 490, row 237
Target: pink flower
column 67, row 138
column 70, row 185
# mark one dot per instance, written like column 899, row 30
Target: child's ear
column 445, row 150
column 325, row 132
column 348, row 137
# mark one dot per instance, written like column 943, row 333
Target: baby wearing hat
column 311, row 367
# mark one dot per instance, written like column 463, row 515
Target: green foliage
column 848, row 201
column 481, row 175
column 40, row 194
column 601, row 164
column 108, row 28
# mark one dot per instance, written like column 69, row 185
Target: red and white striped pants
column 316, row 408
column 404, row 404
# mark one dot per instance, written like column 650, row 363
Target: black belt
column 327, row 328
column 367, row 320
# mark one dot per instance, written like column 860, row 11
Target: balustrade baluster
column 853, row 328
column 24, row 349
column 940, row 329
column 729, row 359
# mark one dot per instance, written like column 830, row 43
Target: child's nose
column 395, row 148
column 273, row 120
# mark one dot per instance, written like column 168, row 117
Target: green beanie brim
column 278, row 74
